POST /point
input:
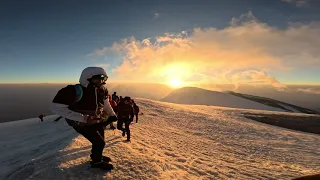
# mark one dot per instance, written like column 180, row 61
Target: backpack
column 136, row 108
column 79, row 94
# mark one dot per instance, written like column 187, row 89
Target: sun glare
column 175, row 83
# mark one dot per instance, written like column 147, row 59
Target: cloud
column 246, row 51
column 105, row 66
column 105, row 50
column 254, row 77
column 244, row 18
column 309, row 90
column 98, row 52
column 298, row 3
column 156, row 15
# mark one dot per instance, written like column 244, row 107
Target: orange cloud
column 255, row 77
column 209, row 55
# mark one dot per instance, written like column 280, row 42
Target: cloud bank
column 245, row 52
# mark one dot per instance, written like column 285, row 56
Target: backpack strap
column 79, row 92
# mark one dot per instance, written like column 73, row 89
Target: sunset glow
column 175, row 83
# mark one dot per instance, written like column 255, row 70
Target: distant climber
column 41, row 117
column 125, row 115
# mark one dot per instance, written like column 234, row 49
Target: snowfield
column 170, row 141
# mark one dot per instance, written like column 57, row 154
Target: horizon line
column 162, row 83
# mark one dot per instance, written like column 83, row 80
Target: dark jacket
column 125, row 111
column 135, row 108
column 92, row 102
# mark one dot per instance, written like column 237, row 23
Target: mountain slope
column 170, row 141
column 274, row 103
column 198, row 96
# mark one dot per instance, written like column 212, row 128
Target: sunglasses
column 100, row 77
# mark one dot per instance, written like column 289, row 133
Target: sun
column 175, row 83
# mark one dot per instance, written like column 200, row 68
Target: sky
column 274, row 42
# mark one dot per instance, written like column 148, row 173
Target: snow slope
column 170, row 141
column 193, row 95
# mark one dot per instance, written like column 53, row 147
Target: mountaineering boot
column 106, row 159
column 101, row 164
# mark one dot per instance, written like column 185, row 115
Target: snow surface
column 170, row 141
column 193, row 95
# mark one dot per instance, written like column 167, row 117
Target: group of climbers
column 115, row 100
column 126, row 109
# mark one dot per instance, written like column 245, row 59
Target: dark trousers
column 126, row 122
column 95, row 134
column 137, row 117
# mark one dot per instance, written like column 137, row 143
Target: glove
column 94, row 119
column 110, row 120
